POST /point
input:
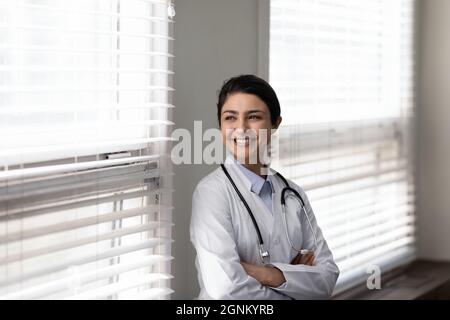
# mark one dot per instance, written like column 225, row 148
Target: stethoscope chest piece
column 264, row 254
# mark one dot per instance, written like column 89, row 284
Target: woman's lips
column 244, row 141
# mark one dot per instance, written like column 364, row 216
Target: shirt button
column 276, row 241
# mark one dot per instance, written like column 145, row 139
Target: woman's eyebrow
column 248, row 112
column 255, row 111
column 230, row 111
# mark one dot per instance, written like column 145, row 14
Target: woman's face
column 246, row 127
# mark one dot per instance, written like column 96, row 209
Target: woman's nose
column 241, row 124
column 239, row 131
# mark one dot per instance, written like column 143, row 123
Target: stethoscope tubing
column 264, row 253
column 260, row 238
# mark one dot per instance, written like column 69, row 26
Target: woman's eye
column 229, row 118
column 254, row 117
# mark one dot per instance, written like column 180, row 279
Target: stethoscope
column 264, row 254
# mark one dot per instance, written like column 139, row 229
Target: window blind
column 344, row 73
column 85, row 125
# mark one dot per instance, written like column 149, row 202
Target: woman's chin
column 245, row 156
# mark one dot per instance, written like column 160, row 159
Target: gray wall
column 215, row 39
column 434, row 130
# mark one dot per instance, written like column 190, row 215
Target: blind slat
column 87, row 126
column 80, row 182
column 339, row 216
column 378, row 251
column 50, row 69
column 27, row 110
column 72, row 51
column 364, row 245
column 71, row 11
column 352, row 178
column 44, row 207
column 52, row 249
column 77, row 261
column 84, row 222
column 48, row 89
column 376, row 227
column 45, row 289
column 155, row 293
column 87, row 32
column 68, row 150
column 107, row 290
column 72, row 167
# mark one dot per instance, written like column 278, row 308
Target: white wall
column 215, row 39
column 434, row 130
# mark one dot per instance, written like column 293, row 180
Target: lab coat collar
column 256, row 181
column 253, row 182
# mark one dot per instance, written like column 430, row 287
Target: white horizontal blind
column 344, row 73
column 85, row 185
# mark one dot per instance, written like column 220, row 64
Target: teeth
column 241, row 140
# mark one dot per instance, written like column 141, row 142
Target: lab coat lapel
column 278, row 226
column 254, row 202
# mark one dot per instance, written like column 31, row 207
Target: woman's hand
column 273, row 277
column 267, row 276
column 306, row 259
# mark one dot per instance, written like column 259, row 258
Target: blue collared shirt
column 259, row 186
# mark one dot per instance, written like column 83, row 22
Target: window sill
column 422, row 279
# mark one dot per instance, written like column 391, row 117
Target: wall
column 215, row 39
column 434, row 130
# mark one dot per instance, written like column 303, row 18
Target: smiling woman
column 244, row 196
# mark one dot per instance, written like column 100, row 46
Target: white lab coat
column 223, row 235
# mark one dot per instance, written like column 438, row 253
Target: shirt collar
column 256, row 181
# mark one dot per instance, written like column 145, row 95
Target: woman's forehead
column 244, row 102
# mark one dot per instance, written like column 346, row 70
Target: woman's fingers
column 311, row 261
column 299, row 259
column 306, row 259
column 296, row 260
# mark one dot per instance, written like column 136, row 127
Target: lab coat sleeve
column 218, row 260
column 310, row 282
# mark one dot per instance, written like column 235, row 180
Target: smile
column 244, row 141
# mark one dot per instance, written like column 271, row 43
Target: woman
column 229, row 261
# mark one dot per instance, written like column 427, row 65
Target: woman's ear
column 277, row 123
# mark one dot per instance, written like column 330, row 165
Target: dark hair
column 252, row 85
